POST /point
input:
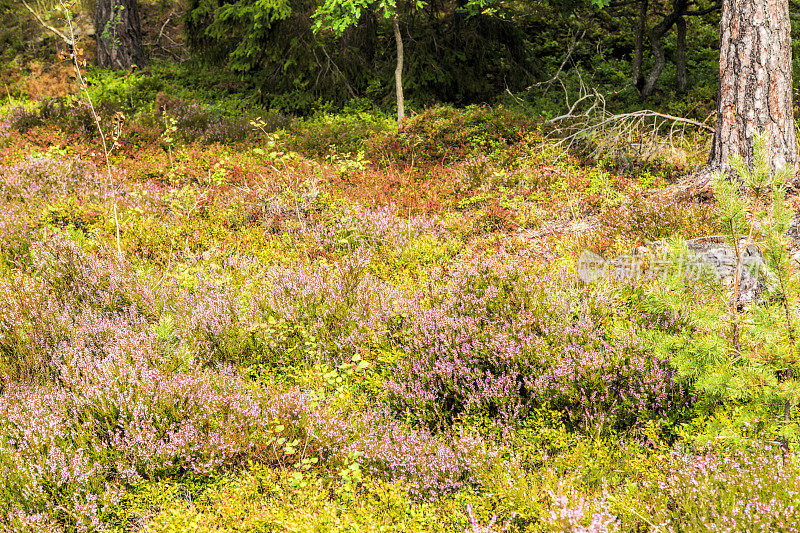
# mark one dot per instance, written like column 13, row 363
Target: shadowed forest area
column 345, row 266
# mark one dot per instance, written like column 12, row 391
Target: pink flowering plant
column 223, row 335
column 513, row 341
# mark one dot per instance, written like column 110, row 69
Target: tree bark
column 680, row 54
column 398, row 71
column 755, row 83
column 119, row 34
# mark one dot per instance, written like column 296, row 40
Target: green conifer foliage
column 741, row 359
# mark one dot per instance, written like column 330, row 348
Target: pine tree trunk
column 119, row 34
column 398, row 72
column 755, row 85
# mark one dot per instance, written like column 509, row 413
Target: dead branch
column 576, row 38
column 516, row 99
column 70, row 42
column 161, row 33
column 634, row 114
column 570, row 115
column 340, row 73
column 639, row 135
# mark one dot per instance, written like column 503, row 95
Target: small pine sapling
column 761, row 367
column 733, row 210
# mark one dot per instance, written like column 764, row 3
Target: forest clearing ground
column 322, row 329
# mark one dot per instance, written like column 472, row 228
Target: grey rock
column 721, row 257
column 794, row 230
column 706, row 254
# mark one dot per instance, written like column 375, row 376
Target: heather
column 333, row 266
column 495, row 341
column 322, row 324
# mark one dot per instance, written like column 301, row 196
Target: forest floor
column 226, row 323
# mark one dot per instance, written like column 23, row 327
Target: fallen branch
column 636, row 136
column 641, row 113
column 569, row 114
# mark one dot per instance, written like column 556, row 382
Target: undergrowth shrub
column 430, row 465
column 5, row 130
column 70, row 450
column 48, row 177
column 113, row 412
column 22, row 119
column 71, row 275
column 196, row 122
column 641, row 218
column 60, row 298
column 359, row 228
column 72, row 116
column 749, row 489
column 71, row 213
column 325, row 134
column 496, row 217
column 471, row 174
column 285, row 317
column 133, row 92
column 91, row 405
column 193, row 120
column 338, row 307
column 16, row 232
column 446, row 134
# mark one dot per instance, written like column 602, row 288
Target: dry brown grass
column 51, row 80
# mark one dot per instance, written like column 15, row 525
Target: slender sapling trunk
column 398, row 71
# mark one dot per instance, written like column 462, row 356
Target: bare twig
column 96, row 121
column 341, row 74
column 68, row 40
column 161, row 32
column 548, row 83
column 571, row 113
column 516, row 99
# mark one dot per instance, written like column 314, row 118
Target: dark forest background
column 526, row 53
